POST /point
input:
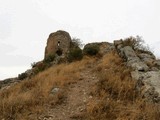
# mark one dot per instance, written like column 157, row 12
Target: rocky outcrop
column 157, row 63
column 145, row 69
column 58, row 43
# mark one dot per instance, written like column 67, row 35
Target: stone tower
column 58, row 43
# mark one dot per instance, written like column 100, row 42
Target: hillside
column 104, row 81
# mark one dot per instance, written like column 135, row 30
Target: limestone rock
column 58, row 43
column 157, row 63
column 145, row 70
column 145, row 55
column 151, row 82
column 140, row 66
column 129, row 53
column 55, row 90
column 133, row 60
column 147, row 58
column 151, row 94
column 153, row 78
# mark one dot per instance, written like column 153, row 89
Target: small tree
column 76, row 42
column 137, row 43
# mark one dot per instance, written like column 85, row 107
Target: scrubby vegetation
column 42, row 65
column 22, row 76
column 115, row 96
column 30, row 96
column 49, row 59
column 75, row 54
column 91, row 49
column 77, row 42
column 137, row 43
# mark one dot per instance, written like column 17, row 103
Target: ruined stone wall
column 145, row 69
column 59, row 40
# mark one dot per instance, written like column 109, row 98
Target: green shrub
column 41, row 67
column 49, row 58
column 75, row 54
column 91, row 49
column 33, row 64
column 76, row 42
column 22, row 76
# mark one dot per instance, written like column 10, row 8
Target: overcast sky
column 26, row 24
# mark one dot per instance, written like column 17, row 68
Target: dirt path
column 77, row 98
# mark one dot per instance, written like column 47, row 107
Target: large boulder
column 58, row 43
column 129, row 53
column 137, row 65
column 133, row 60
column 147, row 58
column 151, row 82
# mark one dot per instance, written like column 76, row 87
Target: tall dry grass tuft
column 115, row 96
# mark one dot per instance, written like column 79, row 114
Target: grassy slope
column 114, row 96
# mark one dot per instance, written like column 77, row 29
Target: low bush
column 76, row 42
column 49, row 58
column 91, row 49
column 41, row 67
column 22, row 76
column 75, row 54
column 137, row 43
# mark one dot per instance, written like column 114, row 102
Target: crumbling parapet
column 58, row 43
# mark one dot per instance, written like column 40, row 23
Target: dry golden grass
column 115, row 96
column 31, row 95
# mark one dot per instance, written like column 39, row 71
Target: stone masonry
column 58, row 43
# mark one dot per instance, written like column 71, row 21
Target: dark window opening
column 59, row 52
column 58, row 43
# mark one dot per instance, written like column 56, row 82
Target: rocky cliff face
column 145, row 69
column 58, row 43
